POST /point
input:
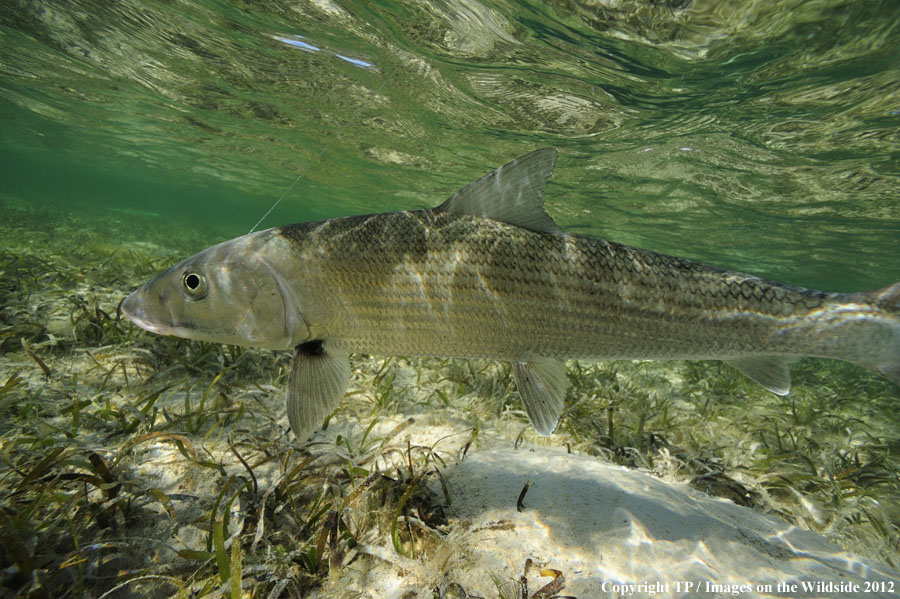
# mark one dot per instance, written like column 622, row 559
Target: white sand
column 605, row 528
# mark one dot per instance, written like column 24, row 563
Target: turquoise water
column 761, row 136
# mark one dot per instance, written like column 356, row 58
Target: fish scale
column 449, row 287
column 459, row 286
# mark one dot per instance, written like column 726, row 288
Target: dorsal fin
column 513, row 193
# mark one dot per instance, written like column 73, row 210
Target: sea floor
column 137, row 465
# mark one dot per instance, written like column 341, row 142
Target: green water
column 757, row 135
column 761, row 136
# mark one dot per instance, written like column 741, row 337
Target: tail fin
column 887, row 361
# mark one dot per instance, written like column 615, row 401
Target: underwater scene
column 761, row 137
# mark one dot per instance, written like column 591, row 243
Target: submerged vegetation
column 132, row 464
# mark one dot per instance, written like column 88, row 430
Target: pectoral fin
column 316, row 384
column 542, row 385
column 772, row 372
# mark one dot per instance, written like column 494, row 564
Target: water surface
column 753, row 135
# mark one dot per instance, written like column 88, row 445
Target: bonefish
column 489, row 274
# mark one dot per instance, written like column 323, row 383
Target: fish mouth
column 130, row 307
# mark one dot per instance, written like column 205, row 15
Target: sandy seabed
column 135, row 465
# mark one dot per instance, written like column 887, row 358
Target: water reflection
column 298, row 42
column 795, row 111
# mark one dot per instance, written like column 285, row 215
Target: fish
column 489, row 274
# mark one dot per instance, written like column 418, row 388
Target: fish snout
column 132, row 308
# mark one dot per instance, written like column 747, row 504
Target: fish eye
column 194, row 284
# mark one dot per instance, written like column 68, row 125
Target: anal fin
column 542, row 385
column 316, row 384
column 772, row 372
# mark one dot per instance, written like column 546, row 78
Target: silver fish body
column 488, row 274
column 426, row 283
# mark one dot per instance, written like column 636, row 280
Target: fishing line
column 387, row 77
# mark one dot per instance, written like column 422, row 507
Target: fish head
column 226, row 294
